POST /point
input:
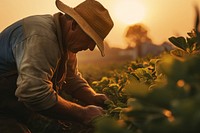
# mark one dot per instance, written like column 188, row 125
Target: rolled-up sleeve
column 37, row 58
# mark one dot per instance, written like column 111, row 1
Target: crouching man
column 38, row 58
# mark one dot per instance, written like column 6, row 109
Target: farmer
column 38, row 59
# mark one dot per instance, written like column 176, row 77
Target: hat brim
column 83, row 24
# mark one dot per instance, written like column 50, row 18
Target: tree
column 136, row 35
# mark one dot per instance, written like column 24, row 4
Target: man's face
column 78, row 40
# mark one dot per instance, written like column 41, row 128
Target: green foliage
column 171, row 105
column 113, row 87
column 155, row 95
column 187, row 46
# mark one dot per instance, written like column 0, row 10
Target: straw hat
column 92, row 17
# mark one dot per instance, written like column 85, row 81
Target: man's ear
column 74, row 25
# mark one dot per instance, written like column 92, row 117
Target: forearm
column 72, row 85
column 65, row 110
column 84, row 94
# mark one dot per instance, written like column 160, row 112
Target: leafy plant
column 162, row 95
column 190, row 44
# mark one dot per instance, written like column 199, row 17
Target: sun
column 129, row 11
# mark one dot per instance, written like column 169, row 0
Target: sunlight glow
column 180, row 83
column 129, row 11
column 169, row 115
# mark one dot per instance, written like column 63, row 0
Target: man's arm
column 66, row 110
column 35, row 89
column 78, row 87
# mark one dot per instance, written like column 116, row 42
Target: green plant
column 162, row 95
column 189, row 45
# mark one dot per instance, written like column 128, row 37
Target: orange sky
column 163, row 18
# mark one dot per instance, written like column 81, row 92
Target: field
column 148, row 95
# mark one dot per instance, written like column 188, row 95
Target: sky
column 162, row 18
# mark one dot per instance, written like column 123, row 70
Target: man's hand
column 66, row 110
column 90, row 97
column 91, row 112
column 98, row 99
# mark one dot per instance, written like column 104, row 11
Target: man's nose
column 91, row 46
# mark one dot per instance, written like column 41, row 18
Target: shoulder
column 42, row 25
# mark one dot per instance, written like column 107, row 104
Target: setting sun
column 129, row 11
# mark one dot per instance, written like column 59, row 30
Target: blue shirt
column 11, row 36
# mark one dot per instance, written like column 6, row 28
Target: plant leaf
column 180, row 42
column 191, row 43
column 178, row 53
